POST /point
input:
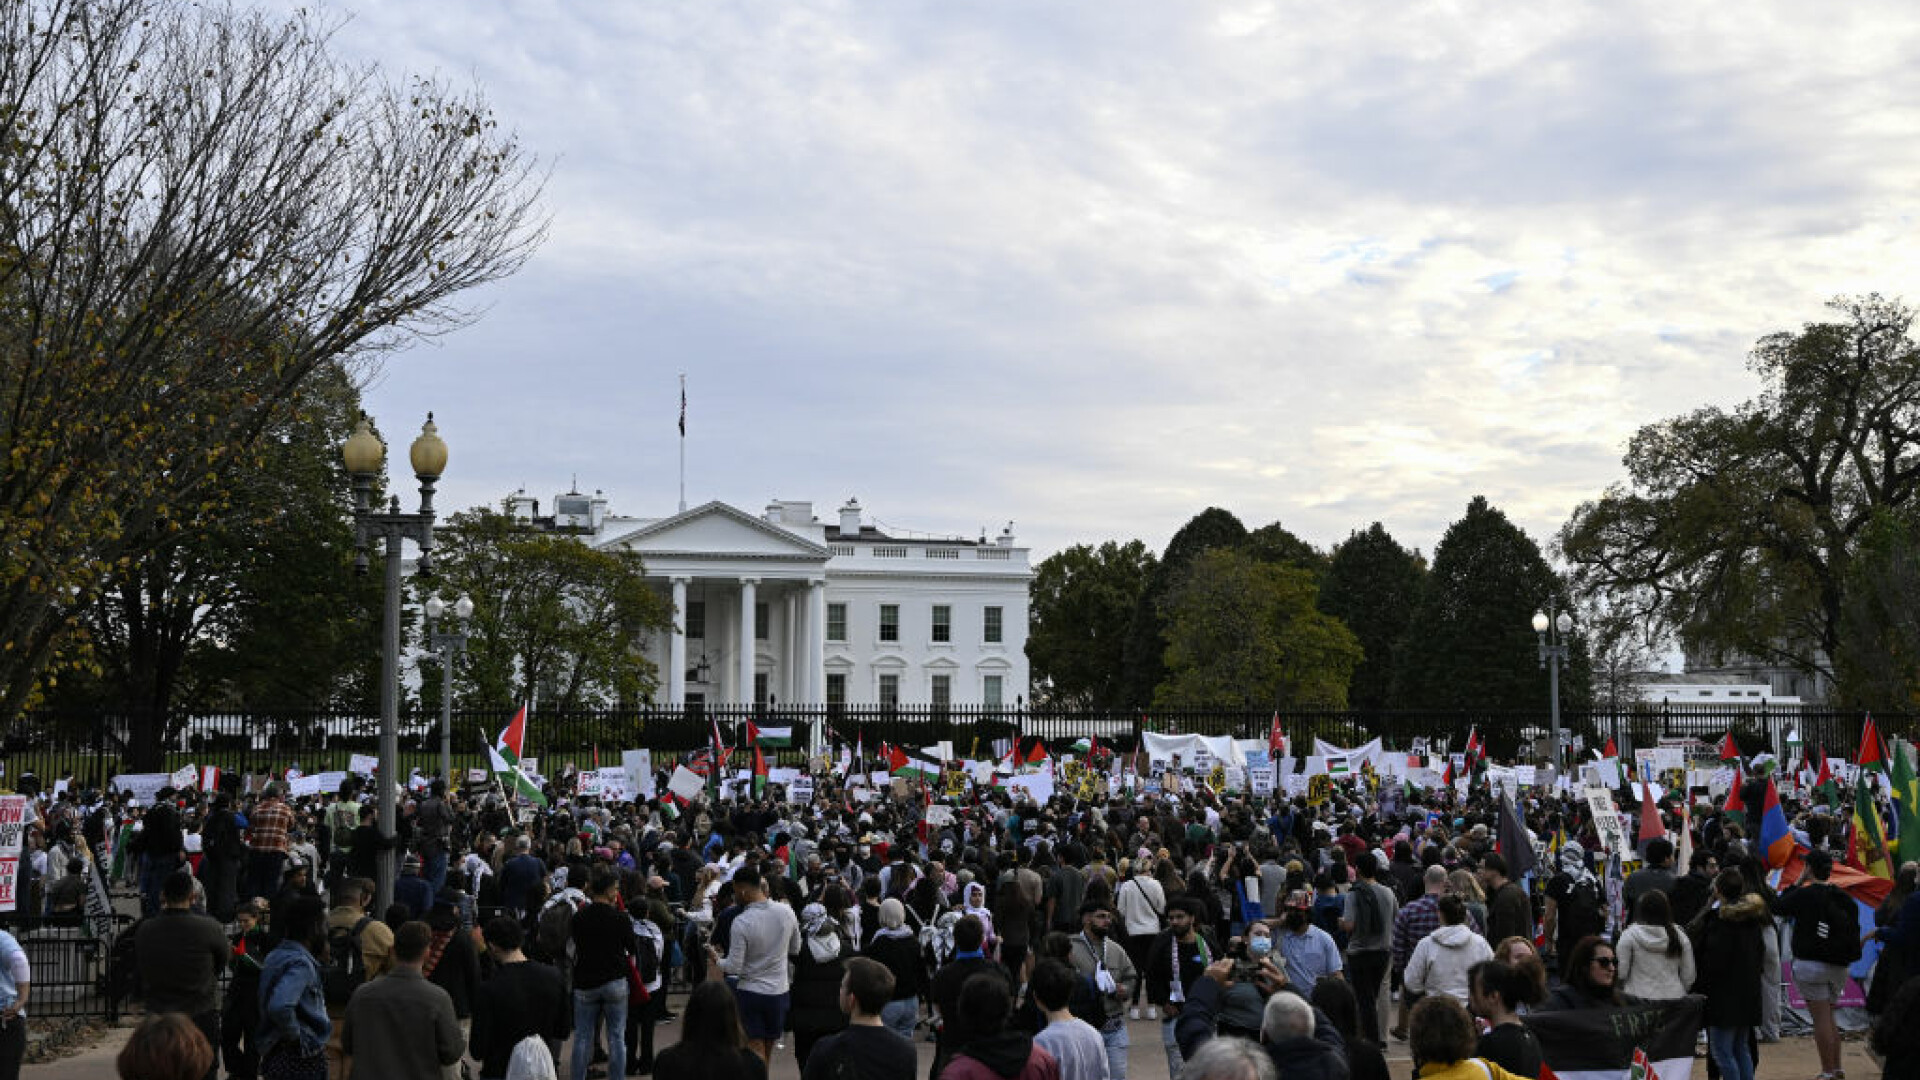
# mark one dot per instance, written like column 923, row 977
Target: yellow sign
column 1319, row 789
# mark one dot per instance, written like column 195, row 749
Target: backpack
column 1584, row 908
column 1835, row 928
column 346, row 968
column 554, row 931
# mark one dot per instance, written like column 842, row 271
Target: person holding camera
column 1301, row 1040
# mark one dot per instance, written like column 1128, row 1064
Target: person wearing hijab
column 898, row 948
column 974, row 902
column 1576, row 906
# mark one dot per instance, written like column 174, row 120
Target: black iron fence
column 75, row 971
column 90, row 745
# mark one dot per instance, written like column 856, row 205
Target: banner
column 1372, row 751
column 15, row 814
column 1219, row 749
column 99, row 905
column 141, row 787
column 1598, row 1044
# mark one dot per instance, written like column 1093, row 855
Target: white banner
column 1370, row 751
column 141, row 787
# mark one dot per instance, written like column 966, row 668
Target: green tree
column 1471, row 643
column 1144, row 655
column 1275, row 544
column 1243, row 633
column 202, row 209
column 1879, row 663
column 1082, row 602
column 1735, row 530
column 1372, row 585
column 550, row 614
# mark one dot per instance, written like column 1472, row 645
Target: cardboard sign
column 363, row 765
column 141, row 787
column 15, row 814
column 185, row 777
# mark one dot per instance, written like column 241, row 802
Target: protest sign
column 800, row 790
column 184, row 777
column 330, row 781
column 141, row 787
column 303, row 786
column 15, row 814
column 1036, row 786
column 1261, row 777
column 639, row 766
column 686, row 783
column 363, row 765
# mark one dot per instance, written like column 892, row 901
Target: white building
column 1705, row 688
column 785, row 606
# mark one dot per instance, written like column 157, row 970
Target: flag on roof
column 1729, row 750
column 504, row 756
column 1776, row 840
column 1871, row 757
column 775, row 737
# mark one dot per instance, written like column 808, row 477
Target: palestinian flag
column 759, row 772
column 1638, row 1042
column 909, row 767
column 504, row 755
column 1032, row 750
column 774, row 737
column 1728, row 750
column 1825, row 787
column 1610, row 751
column 1735, row 807
column 1872, row 756
column 1083, row 746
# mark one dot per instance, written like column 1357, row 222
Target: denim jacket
column 292, row 1005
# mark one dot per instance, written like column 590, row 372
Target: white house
column 785, row 606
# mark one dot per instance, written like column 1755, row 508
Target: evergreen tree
column 1373, row 585
column 1471, row 643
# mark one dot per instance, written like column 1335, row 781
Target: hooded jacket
column 1647, row 971
column 1008, row 1055
column 1441, row 961
column 1320, row 1056
column 1727, row 952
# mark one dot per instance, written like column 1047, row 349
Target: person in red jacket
column 992, row 1050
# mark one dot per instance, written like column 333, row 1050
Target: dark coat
column 1728, row 952
column 1320, row 1056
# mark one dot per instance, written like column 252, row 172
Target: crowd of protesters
column 1020, row 940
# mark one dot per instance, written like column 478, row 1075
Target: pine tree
column 1373, row 585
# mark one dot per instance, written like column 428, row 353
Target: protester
column 1074, row 1043
column 166, row 1046
column 521, row 999
column 182, row 955
column 1335, row 998
column 1442, row 1041
column 712, row 1045
column 603, row 940
column 1440, row 962
column 1728, row 954
column 1591, row 977
column 293, row 1011
column 994, row 1051
column 1095, row 956
column 898, row 950
column 1656, row 959
column 1498, row 991
column 1826, row 940
column 401, row 1024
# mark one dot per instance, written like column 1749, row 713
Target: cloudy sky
column 1092, row 267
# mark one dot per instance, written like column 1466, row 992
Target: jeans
column 1728, row 1045
column 1115, row 1036
column 900, row 1015
column 434, row 869
column 1173, row 1047
column 263, row 873
column 154, row 872
column 609, row 1002
column 1367, row 967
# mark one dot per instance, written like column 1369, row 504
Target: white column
column 677, row 647
column 816, row 642
column 745, row 693
column 792, row 665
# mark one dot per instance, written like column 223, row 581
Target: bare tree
column 199, row 207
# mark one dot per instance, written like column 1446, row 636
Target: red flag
column 1610, row 752
column 1729, row 751
column 1650, row 824
column 896, row 758
column 1276, row 739
column 1035, row 752
column 1735, row 807
column 1871, row 755
column 596, row 757
column 1475, row 747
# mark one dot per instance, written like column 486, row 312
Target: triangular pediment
column 717, row 530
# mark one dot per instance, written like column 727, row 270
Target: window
column 836, row 622
column 760, row 687
column 760, row 622
column 889, row 689
column 697, row 619
column 942, row 691
column 990, row 689
column 942, row 622
column 836, row 688
column 890, row 623
column 993, row 617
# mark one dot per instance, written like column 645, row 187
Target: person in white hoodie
column 1656, row 959
column 1441, row 961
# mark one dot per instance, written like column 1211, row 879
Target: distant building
column 781, row 605
column 1706, row 688
column 1779, row 680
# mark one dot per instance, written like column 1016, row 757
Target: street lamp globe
column 429, row 451
column 463, row 607
column 363, row 451
column 1563, row 623
column 1540, row 622
column 436, row 607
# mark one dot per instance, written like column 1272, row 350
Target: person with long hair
column 1656, row 959
column 166, row 1046
column 713, row 1045
column 294, row 1028
column 1496, row 993
column 1336, row 998
column 1728, row 953
column 1591, row 978
column 1441, row 1038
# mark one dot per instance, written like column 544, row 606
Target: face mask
column 1259, row 947
column 863, row 852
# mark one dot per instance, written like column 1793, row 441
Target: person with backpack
column 1576, row 906
column 1826, row 940
column 359, row 949
column 602, row 938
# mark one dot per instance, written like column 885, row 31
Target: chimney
column 598, row 514
column 850, row 518
column 1006, row 536
column 522, row 507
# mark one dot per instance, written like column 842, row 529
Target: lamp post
column 1552, row 632
column 365, row 457
column 447, row 644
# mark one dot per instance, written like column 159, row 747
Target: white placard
column 1527, row 775
column 186, row 777
column 938, row 815
column 1261, row 777
column 800, row 791
column 783, row 776
column 141, row 787
column 1036, row 786
column 15, row 815
column 1296, row 784
column 639, row 766
column 330, row 781
column 363, row 765
column 686, row 783
column 301, row 786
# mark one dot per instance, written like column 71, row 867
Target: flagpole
column 683, row 442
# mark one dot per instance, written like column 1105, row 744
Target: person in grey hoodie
column 1442, row 959
column 1656, row 959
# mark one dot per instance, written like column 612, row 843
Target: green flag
column 1906, row 796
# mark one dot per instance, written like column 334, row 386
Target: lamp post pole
column 447, row 644
column 1552, row 632
column 365, row 455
